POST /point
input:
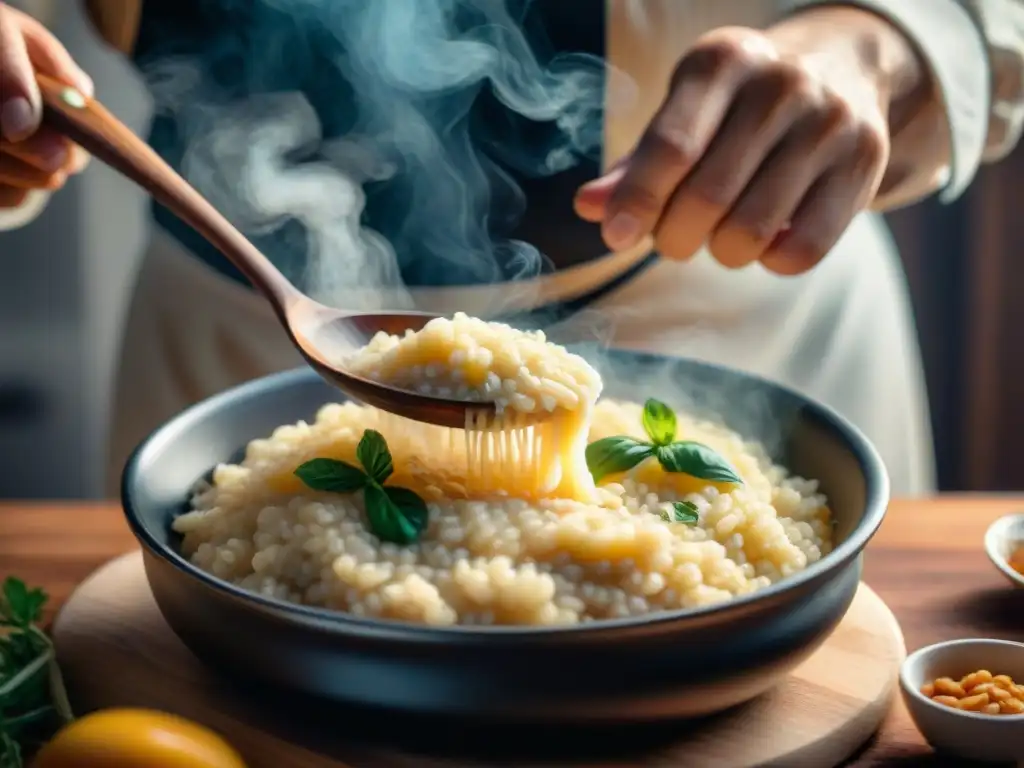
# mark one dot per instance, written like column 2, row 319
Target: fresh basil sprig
column 397, row 515
column 620, row 454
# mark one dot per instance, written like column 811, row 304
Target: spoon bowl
column 315, row 328
column 323, row 335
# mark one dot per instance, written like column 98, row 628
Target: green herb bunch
column 33, row 703
column 620, row 454
column 397, row 515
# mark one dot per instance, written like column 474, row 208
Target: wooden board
column 116, row 650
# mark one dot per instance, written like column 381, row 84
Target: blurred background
column 66, row 278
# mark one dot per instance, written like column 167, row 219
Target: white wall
column 63, row 293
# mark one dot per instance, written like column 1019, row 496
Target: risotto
column 599, row 509
column 496, row 559
column 542, row 393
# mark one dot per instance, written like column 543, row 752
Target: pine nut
column 999, row 694
column 1012, row 707
column 973, row 703
column 979, row 691
column 976, row 678
column 949, row 687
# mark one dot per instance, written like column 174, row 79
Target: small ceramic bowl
column 968, row 735
column 1001, row 538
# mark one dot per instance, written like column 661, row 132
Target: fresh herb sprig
column 620, row 454
column 33, row 702
column 397, row 515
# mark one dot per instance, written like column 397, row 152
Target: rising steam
column 412, row 70
column 398, row 78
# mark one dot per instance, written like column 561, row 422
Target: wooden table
column 927, row 562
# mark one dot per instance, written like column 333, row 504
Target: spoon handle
column 90, row 125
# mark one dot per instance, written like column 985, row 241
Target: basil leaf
column 374, row 455
column 331, row 475
column 396, row 515
column 615, row 454
column 683, row 512
column 659, row 422
column 697, row 460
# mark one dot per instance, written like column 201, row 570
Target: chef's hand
column 32, row 157
column 766, row 146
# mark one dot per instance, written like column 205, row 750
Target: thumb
column 20, row 103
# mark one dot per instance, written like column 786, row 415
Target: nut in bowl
column 1004, row 545
column 953, row 690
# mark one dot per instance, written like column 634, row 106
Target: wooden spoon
column 323, row 335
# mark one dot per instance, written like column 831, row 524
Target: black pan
column 668, row 665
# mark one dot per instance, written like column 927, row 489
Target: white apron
column 842, row 333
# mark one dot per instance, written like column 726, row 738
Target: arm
column 968, row 110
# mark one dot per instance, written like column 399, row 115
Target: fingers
column 769, row 202
column 701, row 93
column 48, row 151
column 750, row 142
column 45, row 149
column 20, row 107
column 27, row 47
column 19, row 174
column 50, row 57
column 798, row 181
column 11, row 197
column 824, row 213
column 765, row 109
column 32, row 157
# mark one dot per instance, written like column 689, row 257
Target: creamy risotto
column 648, row 509
column 542, row 393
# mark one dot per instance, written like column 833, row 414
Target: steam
column 412, row 69
column 396, row 80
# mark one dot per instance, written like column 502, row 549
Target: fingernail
column 16, row 119
column 83, row 83
column 79, row 159
column 57, row 181
column 623, row 230
column 612, row 177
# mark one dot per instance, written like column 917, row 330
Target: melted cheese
column 523, row 374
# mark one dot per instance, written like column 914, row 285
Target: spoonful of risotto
column 461, row 373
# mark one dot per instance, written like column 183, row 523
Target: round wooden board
column 116, row 650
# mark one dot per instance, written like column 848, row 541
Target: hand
column 765, row 148
column 32, row 157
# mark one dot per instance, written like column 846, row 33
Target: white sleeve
column 13, row 218
column 1002, row 24
column 975, row 51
